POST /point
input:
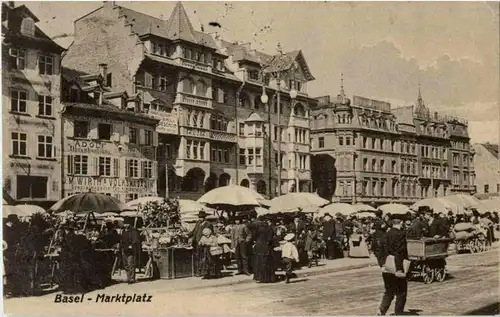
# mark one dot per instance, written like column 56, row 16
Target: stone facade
column 31, row 98
column 487, row 168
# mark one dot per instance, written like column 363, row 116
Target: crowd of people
column 260, row 246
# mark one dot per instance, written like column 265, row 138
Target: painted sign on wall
column 168, row 122
column 105, row 184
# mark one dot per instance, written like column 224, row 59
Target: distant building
column 109, row 146
column 206, row 92
column 487, row 167
column 364, row 151
column 31, row 104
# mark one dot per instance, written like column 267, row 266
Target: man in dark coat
column 339, row 235
column 395, row 284
column 131, row 247
column 436, row 227
column 244, row 238
column 418, row 227
column 329, row 236
column 196, row 235
column 298, row 227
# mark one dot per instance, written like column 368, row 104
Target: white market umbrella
column 188, row 206
column 365, row 214
column 31, row 209
column 134, row 204
column 8, row 210
column 491, row 205
column 394, row 209
column 438, row 205
column 231, row 196
column 343, row 209
column 292, row 202
column 363, row 207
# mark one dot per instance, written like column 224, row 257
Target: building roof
column 177, row 27
column 79, row 77
column 254, row 117
column 492, row 148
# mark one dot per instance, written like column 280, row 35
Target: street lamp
column 293, row 94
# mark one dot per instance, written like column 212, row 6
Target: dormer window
column 253, row 74
column 28, row 27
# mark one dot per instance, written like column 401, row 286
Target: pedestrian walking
column 329, row 236
column 264, row 271
column 395, row 282
column 289, row 255
column 195, row 237
column 130, row 247
column 243, row 247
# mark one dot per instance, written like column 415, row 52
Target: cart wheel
column 427, row 274
column 440, row 274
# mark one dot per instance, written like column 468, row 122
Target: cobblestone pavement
column 473, row 287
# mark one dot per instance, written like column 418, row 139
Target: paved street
column 471, row 289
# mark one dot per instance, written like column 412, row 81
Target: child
column 289, row 254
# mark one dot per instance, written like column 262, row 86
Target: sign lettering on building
column 168, row 122
column 103, row 184
column 88, row 147
column 109, row 148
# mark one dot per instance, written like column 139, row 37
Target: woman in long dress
column 264, row 270
column 209, row 256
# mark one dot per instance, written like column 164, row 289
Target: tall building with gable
column 206, row 93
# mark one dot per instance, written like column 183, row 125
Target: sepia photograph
column 251, row 158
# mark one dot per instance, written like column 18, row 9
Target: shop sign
column 168, row 122
column 84, row 146
column 104, row 184
column 20, row 165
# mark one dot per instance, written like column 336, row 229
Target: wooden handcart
column 428, row 258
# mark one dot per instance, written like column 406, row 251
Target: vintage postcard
column 250, row 158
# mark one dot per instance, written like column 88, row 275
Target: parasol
column 363, row 207
column 31, row 209
column 438, row 205
column 134, row 204
column 491, row 205
column 394, row 209
column 8, row 210
column 188, row 206
column 231, row 196
column 365, row 214
column 293, row 202
column 88, row 202
column 332, row 209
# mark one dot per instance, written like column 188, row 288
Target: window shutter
column 155, row 138
column 142, row 136
column 70, row 164
column 126, row 135
column 142, row 173
column 127, row 168
column 95, row 166
column 155, row 169
column 116, row 167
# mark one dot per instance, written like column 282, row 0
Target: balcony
column 257, row 169
column 223, row 136
column 195, row 132
column 193, row 64
column 197, row 101
column 301, row 122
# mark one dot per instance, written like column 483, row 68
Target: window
column 18, row 100
column 33, row 187
column 19, row 144
column 242, row 129
column 347, row 141
column 382, row 166
column 104, row 131
column 250, row 156
column 365, row 164
column 147, row 169
column 28, row 27
column 195, row 150
column 45, row 65
column 498, row 188
column 258, row 157
column 321, row 142
column 81, row 129
column 162, row 83
column 104, row 166
column 97, row 97
column 148, row 137
column 132, row 168
column 341, row 140
column 365, row 140
column 45, row 106
column 131, row 196
column 253, row 74
column 242, row 157
column 45, row 146
column 81, row 165
column 202, row 151
column 374, row 143
column 18, row 58
column 132, row 135
column 374, row 165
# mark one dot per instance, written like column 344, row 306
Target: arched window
column 201, row 88
column 188, row 86
column 300, row 110
column 194, row 121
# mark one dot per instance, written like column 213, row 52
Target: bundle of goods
column 464, row 231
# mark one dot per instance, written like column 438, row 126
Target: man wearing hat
column 196, row 235
column 131, row 248
column 436, row 228
column 329, row 236
column 289, row 254
column 243, row 250
column 418, row 227
column 395, row 283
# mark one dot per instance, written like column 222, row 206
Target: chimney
column 103, row 67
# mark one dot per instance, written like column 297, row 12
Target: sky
column 384, row 49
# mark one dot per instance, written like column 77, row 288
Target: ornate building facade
column 385, row 155
column 213, row 127
column 31, row 103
